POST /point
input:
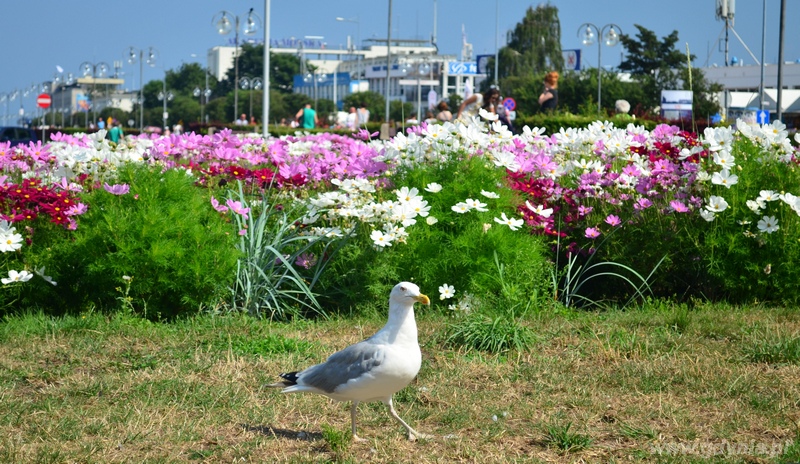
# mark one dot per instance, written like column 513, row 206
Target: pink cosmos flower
column 236, row 207
column 613, row 220
column 217, row 206
column 117, row 189
column 592, row 232
column 678, row 206
column 642, row 203
column 76, row 210
column 306, row 260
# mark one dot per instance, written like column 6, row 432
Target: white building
column 417, row 69
column 742, row 85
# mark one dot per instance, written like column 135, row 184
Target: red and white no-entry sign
column 43, row 100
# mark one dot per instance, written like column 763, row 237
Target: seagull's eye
column 403, row 289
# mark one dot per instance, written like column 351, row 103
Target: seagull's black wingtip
column 290, row 378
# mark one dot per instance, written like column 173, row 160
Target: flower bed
column 718, row 211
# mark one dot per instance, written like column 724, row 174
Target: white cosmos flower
column 716, row 204
column 768, row 224
column 539, row 209
column 768, row 195
column 47, row 278
column 380, row 239
column 430, row 220
column 10, row 241
column 446, row 291
column 724, row 178
column 490, row 194
column 703, row 176
column 512, row 223
column 406, row 195
column 756, row 205
column 707, row 215
column 725, row 159
column 487, row 115
column 461, row 207
column 476, row 205
column 14, row 276
column 433, row 187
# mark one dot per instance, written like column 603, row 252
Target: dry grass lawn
column 707, row 385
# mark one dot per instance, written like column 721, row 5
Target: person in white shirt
column 352, row 119
column 363, row 115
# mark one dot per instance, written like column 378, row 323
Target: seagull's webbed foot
column 413, row 435
column 353, row 412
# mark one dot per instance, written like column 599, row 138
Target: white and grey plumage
column 372, row 370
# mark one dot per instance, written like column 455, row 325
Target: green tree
column 655, row 64
column 534, row 46
column 283, row 68
column 374, row 101
column 658, row 65
column 189, row 76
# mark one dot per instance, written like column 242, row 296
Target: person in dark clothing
column 548, row 100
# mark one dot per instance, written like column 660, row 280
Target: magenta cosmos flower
column 117, row 189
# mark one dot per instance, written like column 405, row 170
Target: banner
column 82, row 103
column 482, row 61
column 676, row 104
column 572, row 59
column 462, row 68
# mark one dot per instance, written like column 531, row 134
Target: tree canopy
column 534, row 46
column 659, row 65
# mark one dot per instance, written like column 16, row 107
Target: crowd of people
column 470, row 108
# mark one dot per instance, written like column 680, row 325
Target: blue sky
column 38, row 35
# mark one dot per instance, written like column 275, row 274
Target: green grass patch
column 611, row 386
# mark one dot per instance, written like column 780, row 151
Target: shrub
column 177, row 252
column 469, row 251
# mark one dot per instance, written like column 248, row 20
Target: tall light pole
column 265, row 126
column 781, row 32
column 224, row 27
column 165, row 96
column 496, row 43
column 388, row 62
column 4, row 99
column 152, row 56
column 251, row 84
column 95, row 71
column 358, row 43
column 589, row 32
column 761, row 99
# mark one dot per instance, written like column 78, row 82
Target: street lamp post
column 224, row 27
column 4, row 100
column 95, row 71
column 358, row 42
column 165, row 96
column 588, row 32
column 152, row 55
column 309, row 77
column 251, row 84
column 11, row 97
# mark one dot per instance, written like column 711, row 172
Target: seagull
column 371, row 370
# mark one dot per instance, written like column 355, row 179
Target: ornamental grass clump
column 281, row 260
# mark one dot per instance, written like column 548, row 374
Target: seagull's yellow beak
column 423, row 299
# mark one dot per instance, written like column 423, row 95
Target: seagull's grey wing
column 343, row 366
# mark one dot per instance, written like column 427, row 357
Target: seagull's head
column 406, row 293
